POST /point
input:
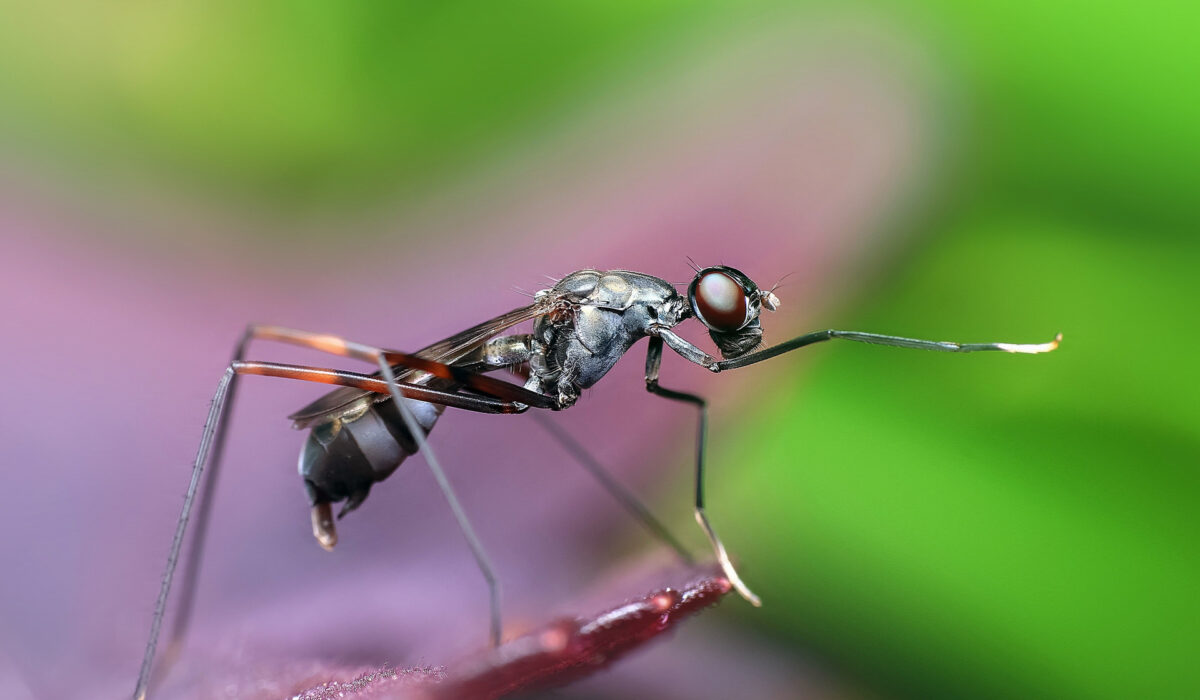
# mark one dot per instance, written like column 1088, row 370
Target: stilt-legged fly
column 361, row 432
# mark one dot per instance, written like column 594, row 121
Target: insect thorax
column 607, row 313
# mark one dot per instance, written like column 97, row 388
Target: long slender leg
column 195, row 556
column 464, row 524
column 336, row 345
column 215, row 412
column 385, row 359
column 622, row 495
column 653, row 362
column 321, row 375
column 695, row 355
column 507, row 351
column 212, row 435
column 508, row 394
column 893, row 340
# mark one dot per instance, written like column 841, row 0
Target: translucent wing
column 447, row 351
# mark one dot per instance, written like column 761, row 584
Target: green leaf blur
column 286, row 104
column 1029, row 520
column 1009, row 526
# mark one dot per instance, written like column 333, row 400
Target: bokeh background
column 919, row 525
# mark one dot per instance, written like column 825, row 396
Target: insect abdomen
column 344, row 456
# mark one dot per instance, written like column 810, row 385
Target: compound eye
column 721, row 302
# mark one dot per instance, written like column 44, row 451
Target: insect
column 361, row 432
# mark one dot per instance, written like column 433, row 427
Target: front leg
column 686, row 350
column 892, row 340
column 693, row 354
column 653, row 362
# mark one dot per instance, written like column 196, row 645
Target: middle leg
column 622, row 495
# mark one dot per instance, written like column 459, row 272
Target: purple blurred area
column 119, row 319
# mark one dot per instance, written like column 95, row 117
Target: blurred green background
column 927, row 525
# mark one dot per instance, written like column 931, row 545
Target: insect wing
column 446, row 351
column 452, row 349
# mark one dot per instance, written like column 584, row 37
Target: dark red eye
column 720, row 301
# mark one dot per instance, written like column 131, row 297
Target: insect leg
column 322, row 375
column 215, row 412
column 507, row 351
column 624, row 496
column 489, row 385
column 347, row 348
column 653, row 362
column 877, row 339
column 212, row 435
column 693, row 354
column 399, row 390
column 385, row 359
column 464, row 524
column 195, row 556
